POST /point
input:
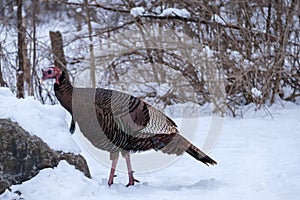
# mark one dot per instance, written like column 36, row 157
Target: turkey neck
column 64, row 91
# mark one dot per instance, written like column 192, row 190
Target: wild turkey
column 117, row 122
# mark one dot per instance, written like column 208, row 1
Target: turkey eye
column 49, row 71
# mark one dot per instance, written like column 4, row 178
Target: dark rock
column 22, row 155
column 78, row 161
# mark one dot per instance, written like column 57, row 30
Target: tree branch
column 100, row 6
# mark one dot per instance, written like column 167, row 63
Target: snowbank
column 45, row 121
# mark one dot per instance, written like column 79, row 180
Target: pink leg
column 130, row 172
column 112, row 171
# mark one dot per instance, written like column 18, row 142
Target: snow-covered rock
column 23, row 155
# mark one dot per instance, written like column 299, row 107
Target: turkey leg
column 130, row 172
column 112, row 171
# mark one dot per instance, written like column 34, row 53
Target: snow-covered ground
column 258, row 158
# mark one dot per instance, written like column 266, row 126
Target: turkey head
column 51, row 72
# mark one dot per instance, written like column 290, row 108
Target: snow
column 176, row 12
column 163, row 89
column 45, row 121
column 137, row 11
column 140, row 11
column 79, row 10
column 160, row 89
column 256, row 93
column 74, row 1
column 218, row 19
column 258, row 158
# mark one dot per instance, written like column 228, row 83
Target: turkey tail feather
column 199, row 155
column 177, row 144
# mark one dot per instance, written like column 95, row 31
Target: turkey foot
column 111, row 180
column 130, row 172
column 132, row 180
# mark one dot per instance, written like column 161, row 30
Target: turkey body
column 114, row 121
column 118, row 122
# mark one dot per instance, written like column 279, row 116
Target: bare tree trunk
column 2, row 82
column 268, row 27
column 27, row 68
column 33, row 79
column 284, row 30
column 91, row 46
column 58, row 51
column 21, row 41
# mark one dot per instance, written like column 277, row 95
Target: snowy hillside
column 258, row 158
